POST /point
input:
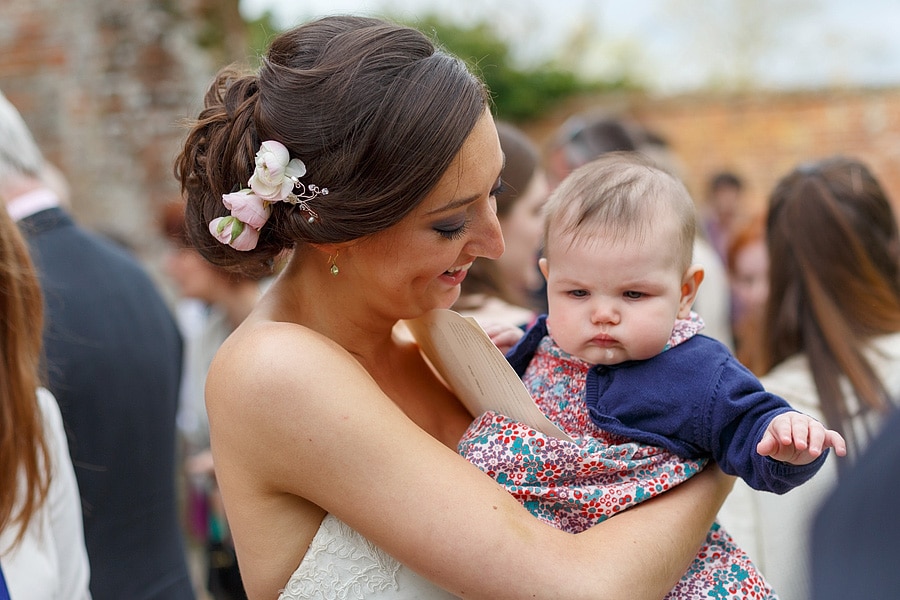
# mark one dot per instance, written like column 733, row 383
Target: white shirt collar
column 31, row 202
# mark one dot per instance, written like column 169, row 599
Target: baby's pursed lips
column 603, row 338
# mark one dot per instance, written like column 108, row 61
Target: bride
column 369, row 157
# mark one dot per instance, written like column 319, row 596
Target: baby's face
column 612, row 300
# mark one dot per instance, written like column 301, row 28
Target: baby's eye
column 632, row 295
column 579, row 293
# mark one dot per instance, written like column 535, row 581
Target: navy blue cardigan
column 695, row 399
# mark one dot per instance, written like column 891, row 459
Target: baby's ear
column 690, row 283
column 543, row 266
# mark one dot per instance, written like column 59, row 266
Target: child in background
column 619, row 366
column 748, row 278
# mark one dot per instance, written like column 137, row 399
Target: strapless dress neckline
column 341, row 564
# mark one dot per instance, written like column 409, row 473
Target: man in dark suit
column 113, row 360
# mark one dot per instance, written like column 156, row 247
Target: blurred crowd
column 806, row 293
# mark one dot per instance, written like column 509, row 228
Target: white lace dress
column 340, row 564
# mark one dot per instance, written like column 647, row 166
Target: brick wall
column 762, row 136
column 104, row 86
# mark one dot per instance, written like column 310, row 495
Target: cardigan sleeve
column 696, row 400
column 740, row 410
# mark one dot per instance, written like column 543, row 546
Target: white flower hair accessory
column 275, row 179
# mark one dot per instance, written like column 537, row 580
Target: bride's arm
column 318, row 427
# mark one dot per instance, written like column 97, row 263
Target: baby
column 617, row 363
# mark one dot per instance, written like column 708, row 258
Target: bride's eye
column 453, row 230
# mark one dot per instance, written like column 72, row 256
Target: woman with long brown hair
column 42, row 553
column 831, row 340
column 835, row 287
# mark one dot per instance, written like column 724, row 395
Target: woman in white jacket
column 831, row 337
column 42, row 552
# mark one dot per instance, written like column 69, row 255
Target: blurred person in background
column 831, row 343
column 42, row 552
column 723, row 212
column 855, row 533
column 584, row 137
column 212, row 303
column 113, row 358
column 748, row 277
column 508, row 290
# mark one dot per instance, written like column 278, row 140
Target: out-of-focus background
column 752, row 86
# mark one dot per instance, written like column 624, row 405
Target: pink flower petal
column 247, row 207
column 232, row 231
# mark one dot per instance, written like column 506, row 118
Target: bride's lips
column 455, row 275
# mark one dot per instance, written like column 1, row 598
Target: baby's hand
column 503, row 336
column 798, row 439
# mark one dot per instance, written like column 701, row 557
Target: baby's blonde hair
column 622, row 193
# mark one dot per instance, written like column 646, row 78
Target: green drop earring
column 334, row 268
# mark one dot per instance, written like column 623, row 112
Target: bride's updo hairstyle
column 375, row 111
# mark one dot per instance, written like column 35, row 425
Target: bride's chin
column 446, row 300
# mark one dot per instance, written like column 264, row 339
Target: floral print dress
column 576, row 485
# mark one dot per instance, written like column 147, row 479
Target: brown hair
column 24, row 454
column 522, row 163
column 834, row 279
column 375, row 110
column 724, row 180
column 622, row 191
column 171, row 221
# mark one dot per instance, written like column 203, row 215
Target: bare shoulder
column 272, row 397
column 259, row 350
column 292, row 407
column 268, row 361
column 279, row 379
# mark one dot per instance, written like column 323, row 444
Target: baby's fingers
column 791, row 429
column 767, row 445
column 821, row 438
column 504, row 337
column 816, row 438
column 835, row 440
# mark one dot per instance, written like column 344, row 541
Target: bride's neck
column 312, row 298
column 383, row 347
